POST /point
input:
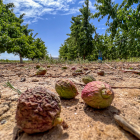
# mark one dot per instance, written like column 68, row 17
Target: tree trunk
column 21, row 60
column 32, row 59
column 84, row 57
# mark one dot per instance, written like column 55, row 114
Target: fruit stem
column 61, row 122
column 108, row 92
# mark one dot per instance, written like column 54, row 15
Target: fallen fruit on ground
column 41, row 71
column 37, row 66
column 88, row 78
column 66, row 89
column 101, row 73
column 73, row 68
column 38, row 110
column 78, row 70
column 97, row 94
column 85, row 68
column 64, row 67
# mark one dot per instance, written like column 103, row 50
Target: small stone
column 76, row 73
column 19, row 74
column 85, row 68
column 23, row 79
column 73, row 68
column 3, row 122
column 43, row 83
column 80, row 107
column 35, row 80
column 21, row 65
column 87, row 72
column 81, row 102
column 1, row 75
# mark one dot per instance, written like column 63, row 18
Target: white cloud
column 27, row 21
column 34, row 9
column 36, row 19
column 37, row 8
column 72, row 11
column 91, row 6
column 81, row 2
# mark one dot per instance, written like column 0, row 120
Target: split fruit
column 88, row 79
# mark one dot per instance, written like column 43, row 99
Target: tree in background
column 8, row 26
column 21, row 41
column 16, row 38
column 80, row 41
column 125, row 24
column 38, row 50
column 87, row 31
column 63, row 51
column 74, row 42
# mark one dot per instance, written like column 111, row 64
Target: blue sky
column 51, row 20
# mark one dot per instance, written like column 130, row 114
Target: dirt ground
column 85, row 123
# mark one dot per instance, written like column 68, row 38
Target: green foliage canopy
column 17, row 38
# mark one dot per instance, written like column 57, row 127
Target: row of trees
column 16, row 38
column 121, row 39
column 80, row 40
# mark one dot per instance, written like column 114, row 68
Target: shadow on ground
column 103, row 115
column 55, row 133
column 107, row 117
column 69, row 102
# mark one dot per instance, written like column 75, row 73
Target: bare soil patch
column 85, row 123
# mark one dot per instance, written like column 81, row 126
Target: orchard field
column 85, row 123
column 83, row 47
